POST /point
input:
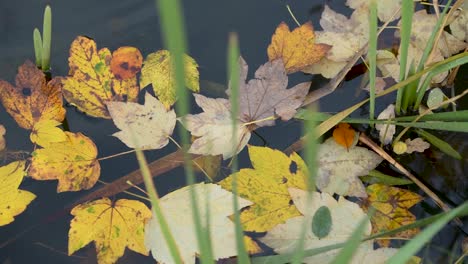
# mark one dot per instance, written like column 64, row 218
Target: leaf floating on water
column 91, row 83
column 297, row 48
column 2, row 137
column 112, row 226
column 417, row 144
column 46, row 132
column 386, row 131
column 32, row 99
column 321, row 222
column 126, row 62
column 344, row 135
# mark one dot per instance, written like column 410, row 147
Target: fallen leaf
column 113, row 226
column 150, row 124
column 46, row 132
column 392, row 212
column 176, row 207
column 208, row 165
column 72, row 162
column 14, row 201
column 91, row 83
column 157, row 70
column 32, row 99
column 344, row 135
column 387, row 10
column 126, row 62
column 2, row 137
column 435, row 98
column 339, row 170
column 417, row 144
column 345, row 217
column 459, row 27
column 386, row 131
column 380, row 85
column 297, row 49
column 266, row 185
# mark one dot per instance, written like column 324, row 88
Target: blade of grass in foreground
column 233, row 77
column 170, row 13
column 46, row 38
column 372, row 56
column 37, row 40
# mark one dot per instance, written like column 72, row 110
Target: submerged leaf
column 321, row 222
column 113, row 226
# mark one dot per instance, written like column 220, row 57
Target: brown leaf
column 126, row 62
column 344, row 135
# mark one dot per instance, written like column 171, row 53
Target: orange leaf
column 297, row 48
column 344, row 135
column 126, row 62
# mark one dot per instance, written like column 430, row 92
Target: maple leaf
column 32, row 99
column 14, row 201
column 91, row 82
column 339, row 169
column 297, row 48
column 151, row 124
column 126, row 62
column 391, row 206
column 112, row 226
column 158, row 71
column 387, row 10
column 177, row 209
column 46, row 132
column 266, row 185
column 345, row 216
column 344, row 135
column 386, row 131
column 72, row 162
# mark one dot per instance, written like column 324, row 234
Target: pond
column 40, row 233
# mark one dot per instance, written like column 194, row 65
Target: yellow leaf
column 126, row 62
column 32, row 100
column 46, row 131
column 91, row 82
column 297, row 48
column 391, row 206
column 13, row 201
column 344, row 135
column 112, row 226
column 72, row 162
column 266, row 185
column 157, row 70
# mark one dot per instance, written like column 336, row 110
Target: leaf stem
column 116, row 155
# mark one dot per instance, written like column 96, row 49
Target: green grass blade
column 372, row 55
column 439, row 143
column 233, row 77
column 417, row 242
column 170, row 13
column 409, row 92
column 46, row 38
column 37, row 40
column 381, row 178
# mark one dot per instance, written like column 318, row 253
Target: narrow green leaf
column 46, row 38
column 372, row 54
column 322, row 222
column 439, row 143
column 37, row 39
column 379, row 177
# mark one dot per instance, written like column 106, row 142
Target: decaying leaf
column 417, row 144
column 386, row 131
column 126, row 62
column 32, row 99
column 113, row 226
column 266, row 185
column 339, row 170
column 2, row 137
column 387, row 10
column 72, row 162
column 157, row 70
column 208, row 165
column 91, row 83
column 14, row 201
column 177, row 209
column 297, row 48
column 345, row 217
column 459, row 27
column 344, row 135
column 150, row 124
column 46, row 132
column 391, row 206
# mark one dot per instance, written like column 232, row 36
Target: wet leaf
column 209, row 165
column 344, row 135
column 150, row 124
column 177, row 209
column 157, row 70
column 266, row 185
column 14, row 201
column 321, row 222
column 435, row 98
column 339, row 170
column 32, row 99
column 72, row 162
column 417, row 144
column 459, row 27
column 297, row 48
column 392, row 212
column 2, row 137
column 46, row 132
column 113, row 226
column 91, row 83
column 345, row 217
column 387, row 10
column 126, row 62
column 386, row 131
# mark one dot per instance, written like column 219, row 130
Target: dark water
column 134, row 23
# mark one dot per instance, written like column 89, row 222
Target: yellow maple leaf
column 157, row 70
column 91, row 82
column 297, row 48
column 14, row 200
column 46, row 131
column 392, row 212
column 266, row 185
column 72, row 162
column 32, row 99
column 112, row 226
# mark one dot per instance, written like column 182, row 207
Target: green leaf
column 322, row 222
column 379, row 177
